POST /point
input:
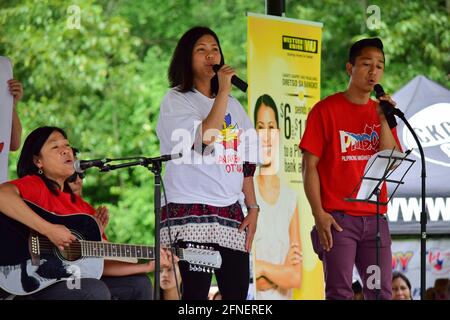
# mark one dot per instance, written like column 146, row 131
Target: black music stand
column 378, row 170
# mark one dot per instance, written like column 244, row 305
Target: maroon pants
column 356, row 245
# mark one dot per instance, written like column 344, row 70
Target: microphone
column 388, row 109
column 239, row 83
column 81, row 165
column 163, row 158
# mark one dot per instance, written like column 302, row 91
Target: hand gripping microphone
column 235, row 80
column 388, row 109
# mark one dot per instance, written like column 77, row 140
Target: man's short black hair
column 358, row 46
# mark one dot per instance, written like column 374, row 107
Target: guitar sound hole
column 71, row 253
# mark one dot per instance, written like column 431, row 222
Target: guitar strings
column 84, row 248
column 46, row 244
column 113, row 252
column 78, row 247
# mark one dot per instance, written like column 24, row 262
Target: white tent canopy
column 426, row 106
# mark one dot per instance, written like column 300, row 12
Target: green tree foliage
column 104, row 82
column 91, row 82
column 415, row 35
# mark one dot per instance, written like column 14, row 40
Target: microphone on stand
column 81, row 165
column 166, row 157
column 103, row 164
column 163, row 158
column 235, row 80
column 389, row 111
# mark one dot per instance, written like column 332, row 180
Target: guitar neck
column 116, row 250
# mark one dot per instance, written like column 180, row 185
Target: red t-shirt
column 343, row 135
column 33, row 189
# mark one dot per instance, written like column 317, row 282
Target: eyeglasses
column 73, row 177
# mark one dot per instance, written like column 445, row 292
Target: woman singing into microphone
column 216, row 171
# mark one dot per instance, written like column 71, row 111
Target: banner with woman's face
column 284, row 84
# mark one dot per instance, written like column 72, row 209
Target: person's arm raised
column 387, row 140
column 16, row 90
column 213, row 123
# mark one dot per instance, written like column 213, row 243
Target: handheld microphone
column 388, row 109
column 81, row 165
column 239, row 83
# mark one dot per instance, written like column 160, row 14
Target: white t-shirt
column 215, row 178
column 272, row 234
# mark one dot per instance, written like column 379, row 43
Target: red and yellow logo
column 229, row 135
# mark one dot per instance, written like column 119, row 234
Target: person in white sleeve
column 200, row 118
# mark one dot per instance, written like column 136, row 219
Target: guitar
column 29, row 262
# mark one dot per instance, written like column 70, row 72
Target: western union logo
column 300, row 44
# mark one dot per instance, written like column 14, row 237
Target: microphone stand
column 154, row 165
column 423, row 213
column 156, row 169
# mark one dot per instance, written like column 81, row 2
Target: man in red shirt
column 342, row 132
